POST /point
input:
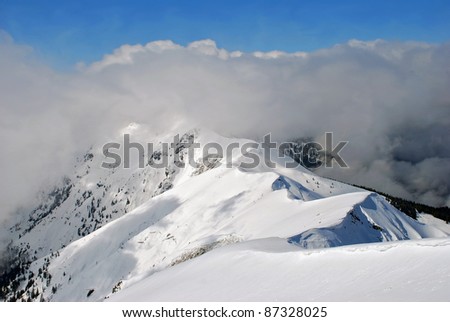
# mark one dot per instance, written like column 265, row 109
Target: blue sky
column 66, row 32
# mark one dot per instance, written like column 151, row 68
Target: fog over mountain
column 390, row 100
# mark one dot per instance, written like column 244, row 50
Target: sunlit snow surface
column 228, row 233
column 270, row 270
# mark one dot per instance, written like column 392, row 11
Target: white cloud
column 390, row 100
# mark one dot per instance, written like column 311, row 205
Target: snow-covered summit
column 106, row 229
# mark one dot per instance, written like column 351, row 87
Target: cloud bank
column 390, row 100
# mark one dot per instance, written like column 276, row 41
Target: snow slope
column 271, row 270
column 429, row 220
column 114, row 229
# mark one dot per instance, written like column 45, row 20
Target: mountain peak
column 135, row 222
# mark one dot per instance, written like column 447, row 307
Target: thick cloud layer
column 391, row 101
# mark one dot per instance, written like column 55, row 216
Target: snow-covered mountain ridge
column 105, row 230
